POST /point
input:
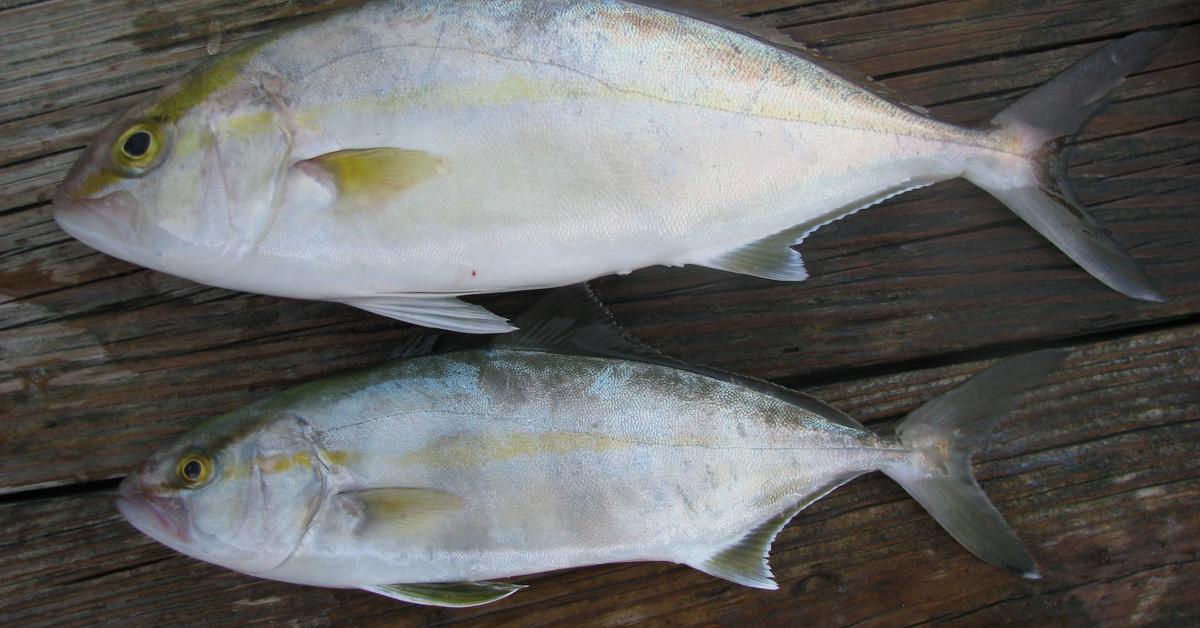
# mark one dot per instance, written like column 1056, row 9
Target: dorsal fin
column 572, row 320
column 745, row 26
column 419, row 344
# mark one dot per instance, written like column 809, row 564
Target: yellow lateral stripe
column 474, row 450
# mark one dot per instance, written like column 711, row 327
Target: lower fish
column 399, row 155
column 435, row 479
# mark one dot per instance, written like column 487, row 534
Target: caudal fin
column 1037, row 125
column 944, row 433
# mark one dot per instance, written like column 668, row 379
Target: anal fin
column 773, row 256
column 440, row 312
column 769, row 258
column 450, row 595
column 745, row 561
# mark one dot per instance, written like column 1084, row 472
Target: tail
column 1038, row 125
column 944, row 433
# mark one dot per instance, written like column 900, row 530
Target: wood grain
column 101, row 361
column 1107, row 501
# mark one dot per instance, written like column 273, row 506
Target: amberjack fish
column 565, row 444
column 399, row 155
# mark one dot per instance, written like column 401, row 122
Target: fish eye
column 194, row 470
column 137, row 145
column 137, row 148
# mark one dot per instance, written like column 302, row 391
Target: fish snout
column 88, row 178
column 103, row 223
column 160, row 517
column 71, row 189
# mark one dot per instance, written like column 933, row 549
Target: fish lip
column 113, row 224
column 92, row 222
column 154, row 516
column 100, row 208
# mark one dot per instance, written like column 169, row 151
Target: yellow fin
column 389, row 512
column 368, row 178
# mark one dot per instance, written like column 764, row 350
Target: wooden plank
column 102, row 360
column 1098, row 471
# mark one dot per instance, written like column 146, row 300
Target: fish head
column 239, row 492
column 188, row 182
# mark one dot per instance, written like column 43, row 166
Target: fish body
column 594, row 160
column 400, row 154
column 560, row 461
column 495, row 463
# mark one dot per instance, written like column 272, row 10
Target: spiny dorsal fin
column 450, row 595
column 573, row 320
column 417, row 345
column 772, row 36
column 395, row 512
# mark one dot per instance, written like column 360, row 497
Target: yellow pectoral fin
column 369, row 178
column 395, row 512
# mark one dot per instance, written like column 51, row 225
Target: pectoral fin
column 452, row 595
column 370, row 178
column 395, row 512
column 440, row 312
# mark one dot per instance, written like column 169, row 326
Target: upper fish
column 562, row 445
column 398, row 155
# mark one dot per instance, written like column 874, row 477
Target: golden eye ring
column 194, row 470
column 137, row 148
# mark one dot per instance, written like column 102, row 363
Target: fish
column 400, row 155
column 438, row 478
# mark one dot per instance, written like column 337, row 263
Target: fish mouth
column 160, row 518
column 101, row 223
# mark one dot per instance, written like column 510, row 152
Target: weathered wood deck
column 1099, row 472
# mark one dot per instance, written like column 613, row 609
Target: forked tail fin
column 944, row 433
column 1037, row 125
